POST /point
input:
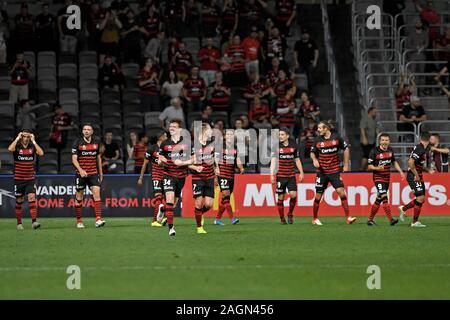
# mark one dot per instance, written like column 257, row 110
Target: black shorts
column 24, row 187
column 89, row 181
column 203, row 188
column 382, row 188
column 322, row 181
column 286, row 183
column 226, row 184
column 173, row 184
column 418, row 187
column 157, row 186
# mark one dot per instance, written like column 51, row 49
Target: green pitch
column 257, row 259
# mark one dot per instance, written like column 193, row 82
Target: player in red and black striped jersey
column 416, row 166
column 235, row 57
column 25, row 149
column 151, row 156
column 87, row 161
column 285, row 14
column 325, row 157
column 194, row 91
column 282, row 172
column 381, row 159
column 172, row 153
column 226, row 161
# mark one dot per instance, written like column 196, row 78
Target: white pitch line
column 212, row 267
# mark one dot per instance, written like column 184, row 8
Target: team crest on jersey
column 83, row 147
column 322, row 144
column 381, row 156
column 334, row 142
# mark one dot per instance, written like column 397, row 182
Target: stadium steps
column 340, row 25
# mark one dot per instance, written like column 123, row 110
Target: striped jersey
column 87, row 153
column 195, row 87
column 152, row 155
column 327, row 152
column 227, row 161
column 386, row 158
column 286, row 156
column 24, row 160
column 205, row 157
column 419, row 155
column 139, row 151
column 237, row 55
column 172, row 151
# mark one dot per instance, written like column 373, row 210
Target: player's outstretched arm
column 399, row 169
column 144, row 167
column 240, row 165
column 100, row 168
column 412, row 167
column 346, row 160
column 273, row 167
column 441, row 150
column 299, row 165
column 12, row 146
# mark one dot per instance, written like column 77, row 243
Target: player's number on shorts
column 166, row 183
column 380, row 186
column 223, row 183
column 194, row 186
column 278, row 184
column 155, row 183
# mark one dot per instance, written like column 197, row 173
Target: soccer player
column 380, row 160
column 171, row 152
column 25, row 149
column 416, row 166
column 152, row 156
column 87, row 161
column 226, row 161
column 286, row 159
column 325, row 157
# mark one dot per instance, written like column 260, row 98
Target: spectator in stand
column 251, row 46
column 308, row 136
column 95, row 16
column 132, row 140
column 438, row 154
column 194, row 91
column 439, row 82
column 306, row 56
column 369, row 130
column 283, row 87
column 182, row 62
column 191, row 20
column 417, row 40
column 175, row 13
column 250, row 14
column 235, row 56
column 20, row 73
column 68, row 38
column 174, row 111
column 172, row 88
column 150, row 23
column 256, row 88
column 443, row 43
column 109, row 40
column 61, row 125
column 24, row 33
column 206, row 114
column 131, row 38
column 45, row 26
column 219, row 94
column 121, row 6
column 219, row 125
column 309, row 110
column 149, row 85
column 230, row 20
column 275, row 46
column 210, row 18
column 286, row 11
column 110, row 153
column 286, row 111
column 209, row 57
column 259, row 112
column 110, row 75
column 154, row 47
column 430, row 17
column 403, row 94
column 139, row 151
column 272, row 73
column 413, row 113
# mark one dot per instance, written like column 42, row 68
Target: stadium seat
column 193, row 116
column 153, row 132
column 67, row 168
column 67, row 75
column 241, row 106
column 88, row 71
column 131, row 71
column 116, row 129
column 6, row 109
column 5, row 86
column 46, row 71
column 220, row 115
column 7, row 161
column 301, row 81
column 131, row 108
column 85, row 57
column 89, row 95
column 48, row 168
column 234, row 116
column 71, row 107
column 46, row 58
column 68, row 94
column 47, row 89
column 66, row 57
column 89, row 108
column 131, row 95
column 130, row 166
column 152, row 120
column 192, row 45
column 30, row 57
column 88, row 83
column 93, row 119
column 112, row 106
column 108, row 95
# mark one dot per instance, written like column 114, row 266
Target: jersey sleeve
column 75, row 147
column 342, row 144
column 393, row 157
column 314, row 148
column 296, row 151
column 149, row 152
column 415, row 154
column 372, row 156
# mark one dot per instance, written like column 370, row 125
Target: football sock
column 316, row 208
column 221, row 210
column 280, row 206
column 78, row 206
column 33, row 210
column 345, row 206
column 374, row 209
column 98, row 209
column 157, row 201
column 227, row 205
column 169, row 214
column 409, row 206
column 417, row 209
column 387, row 209
column 19, row 212
column 198, row 216
column 292, row 203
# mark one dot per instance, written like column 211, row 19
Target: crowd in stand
column 241, row 52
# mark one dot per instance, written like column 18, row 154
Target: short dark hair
column 23, row 102
column 285, row 130
column 108, row 131
column 141, row 135
column 371, row 109
column 179, row 121
column 437, row 135
column 425, row 136
column 328, row 124
column 385, row 135
column 27, row 130
column 87, row 124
